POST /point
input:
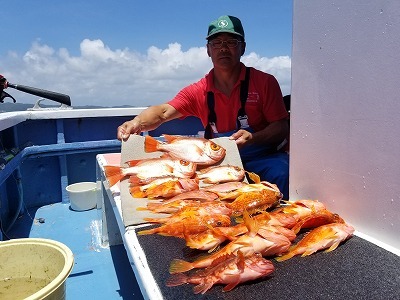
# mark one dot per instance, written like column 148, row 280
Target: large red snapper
column 198, row 150
column 151, row 168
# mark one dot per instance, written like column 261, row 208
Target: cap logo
column 223, row 23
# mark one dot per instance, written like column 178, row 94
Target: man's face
column 225, row 50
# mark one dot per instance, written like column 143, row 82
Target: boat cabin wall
column 344, row 112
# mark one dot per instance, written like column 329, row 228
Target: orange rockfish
column 300, row 209
column 149, row 168
column 190, row 225
column 231, row 270
column 327, row 236
column 316, row 219
column 198, row 150
column 164, row 187
column 221, row 174
column 255, row 201
column 263, row 241
column 196, row 210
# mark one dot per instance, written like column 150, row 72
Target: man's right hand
column 128, row 128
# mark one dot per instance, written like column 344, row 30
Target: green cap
column 227, row 24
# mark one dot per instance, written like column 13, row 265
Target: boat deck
column 98, row 272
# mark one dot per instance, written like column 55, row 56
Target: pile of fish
column 240, row 225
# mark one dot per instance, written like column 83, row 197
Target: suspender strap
column 212, row 117
column 244, row 90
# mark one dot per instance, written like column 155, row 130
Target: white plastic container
column 82, row 195
column 33, row 268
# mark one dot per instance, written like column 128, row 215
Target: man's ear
column 243, row 48
column 208, row 50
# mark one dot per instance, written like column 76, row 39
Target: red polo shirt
column 264, row 102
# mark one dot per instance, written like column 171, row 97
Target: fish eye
column 184, row 162
column 215, row 147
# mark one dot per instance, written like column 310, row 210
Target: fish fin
column 252, row 225
column 309, row 252
column 176, row 279
column 333, row 247
column 133, row 162
column 254, row 177
column 179, row 266
column 150, row 144
column 286, row 256
column 241, row 264
column 202, row 287
column 141, row 208
column 232, row 285
column 134, row 180
column 214, row 249
column 113, row 174
column 170, row 138
column 154, row 220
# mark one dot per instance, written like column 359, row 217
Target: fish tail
column 150, row 144
column 176, row 279
column 179, row 266
column 113, row 174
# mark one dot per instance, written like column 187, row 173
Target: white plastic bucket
column 34, row 268
column 82, row 195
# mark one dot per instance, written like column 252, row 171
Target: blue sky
column 140, row 53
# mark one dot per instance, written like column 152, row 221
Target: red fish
column 231, row 270
column 327, row 236
column 149, row 168
column 198, row 150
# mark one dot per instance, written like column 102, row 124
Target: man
column 231, row 100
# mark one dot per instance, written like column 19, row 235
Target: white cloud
column 105, row 77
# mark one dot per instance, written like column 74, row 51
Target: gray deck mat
column 357, row 269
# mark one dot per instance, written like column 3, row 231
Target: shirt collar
column 210, row 78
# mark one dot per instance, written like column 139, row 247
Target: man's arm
column 149, row 119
